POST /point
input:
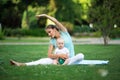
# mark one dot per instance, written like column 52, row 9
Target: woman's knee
column 80, row 55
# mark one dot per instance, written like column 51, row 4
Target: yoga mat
column 91, row 62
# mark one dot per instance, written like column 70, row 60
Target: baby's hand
column 63, row 56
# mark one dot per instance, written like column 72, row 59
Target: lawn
column 25, row 53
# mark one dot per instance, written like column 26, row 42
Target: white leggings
column 44, row 61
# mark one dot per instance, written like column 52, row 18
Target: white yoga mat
column 92, row 62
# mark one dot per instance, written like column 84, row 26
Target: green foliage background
column 21, row 14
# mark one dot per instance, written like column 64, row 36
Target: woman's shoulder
column 64, row 32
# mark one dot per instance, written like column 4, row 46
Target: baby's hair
column 52, row 27
column 60, row 39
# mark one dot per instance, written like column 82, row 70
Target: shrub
column 83, row 28
column 2, row 35
column 85, row 31
column 12, row 32
column 115, row 33
column 69, row 26
column 34, row 32
column 25, row 32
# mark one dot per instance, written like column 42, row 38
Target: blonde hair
column 60, row 40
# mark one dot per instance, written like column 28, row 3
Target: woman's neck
column 57, row 35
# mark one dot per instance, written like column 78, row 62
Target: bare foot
column 12, row 62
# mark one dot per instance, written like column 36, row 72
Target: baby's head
column 60, row 43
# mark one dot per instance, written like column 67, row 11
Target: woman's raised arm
column 58, row 24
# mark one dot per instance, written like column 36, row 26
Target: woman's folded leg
column 78, row 57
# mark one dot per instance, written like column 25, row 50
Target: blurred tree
column 10, row 15
column 67, row 12
column 103, row 14
column 30, row 8
column 11, row 11
column 63, row 10
column 81, row 9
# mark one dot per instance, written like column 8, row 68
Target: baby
column 61, row 50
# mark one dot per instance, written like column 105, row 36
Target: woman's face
column 50, row 32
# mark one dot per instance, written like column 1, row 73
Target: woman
column 55, row 32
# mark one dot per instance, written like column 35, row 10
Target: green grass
column 25, row 53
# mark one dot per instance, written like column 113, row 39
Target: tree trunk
column 105, row 38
